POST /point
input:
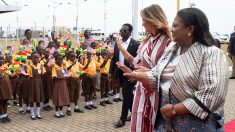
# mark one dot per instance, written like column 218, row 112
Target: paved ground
column 100, row 120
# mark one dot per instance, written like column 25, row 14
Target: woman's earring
column 189, row 34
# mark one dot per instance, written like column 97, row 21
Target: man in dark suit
column 231, row 51
column 131, row 46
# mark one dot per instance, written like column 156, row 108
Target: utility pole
column 178, row 5
column 135, row 4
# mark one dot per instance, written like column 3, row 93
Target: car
column 223, row 38
column 141, row 36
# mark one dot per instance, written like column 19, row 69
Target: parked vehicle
column 223, row 38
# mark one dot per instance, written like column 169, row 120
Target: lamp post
column 77, row 5
column 55, row 4
column 191, row 4
column 178, row 5
column 17, row 22
column 135, row 4
column 44, row 19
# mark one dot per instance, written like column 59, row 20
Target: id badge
column 39, row 71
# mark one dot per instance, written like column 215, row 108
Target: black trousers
column 127, row 93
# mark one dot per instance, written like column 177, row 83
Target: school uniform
column 104, row 82
column 47, row 80
column 88, row 82
column 5, row 86
column 60, row 89
column 14, row 82
column 98, row 59
column 73, row 82
column 5, row 94
column 36, row 93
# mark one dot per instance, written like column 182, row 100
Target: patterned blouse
column 201, row 71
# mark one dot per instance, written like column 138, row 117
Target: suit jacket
column 132, row 49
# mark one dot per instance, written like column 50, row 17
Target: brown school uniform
column 114, row 83
column 14, row 81
column 104, row 80
column 24, row 85
column 47, row 81
column 36, row 87
column 73, row 81
column 88, row 84
column 5, row 87
column 60, row 89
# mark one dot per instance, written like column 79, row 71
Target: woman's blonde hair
column 156, row 16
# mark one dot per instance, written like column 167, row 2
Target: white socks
column 87, row 103
column 21, row 109
column 61, row 113
column 117, row 95
column 102, row 100
column 106, row 99
column 45, row 105
column 32, row 111
column 76, row 107
column 38, row 110
column 90, row 102
column 69, row 108
column 2, row 116
column 57, row 113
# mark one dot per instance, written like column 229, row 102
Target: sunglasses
column 123, row 30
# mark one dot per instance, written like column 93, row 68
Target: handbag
column 217, row 119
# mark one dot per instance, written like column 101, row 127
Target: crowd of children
column 35, row 75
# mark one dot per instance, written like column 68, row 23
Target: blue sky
column 91, row 13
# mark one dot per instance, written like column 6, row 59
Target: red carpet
column 230, row 126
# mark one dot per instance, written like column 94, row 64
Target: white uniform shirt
column 125, row 45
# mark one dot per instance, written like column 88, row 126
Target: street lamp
column 55, row 4
column 105, row 16
column 17, row 22
column 191, row 4
column 77, row 4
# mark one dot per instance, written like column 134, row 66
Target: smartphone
column 114, row 36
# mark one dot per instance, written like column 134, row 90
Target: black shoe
column 96, row 89
column 88, row 107
column 78, row 110
column 33, row 117
column 15, row 103
column 102, row 103
column 232, row 78
column 27, row 111
column 57, row 116
column 68, row 112
column 115, row 100
column 93, row 106
column 110, row 94
column 120, row 123
column 119, row 99
column 94, row 97
column 49, row 107
column 38, row 116
column 46, row 108
column 22, row 112
column 128, row 118
column 3, row 120
column 108, row 102
column 82, row 94
column 7, row 119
